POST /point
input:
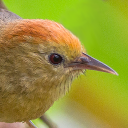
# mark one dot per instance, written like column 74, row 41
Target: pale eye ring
column 55, row 58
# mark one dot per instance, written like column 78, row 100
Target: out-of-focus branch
column 48, row 122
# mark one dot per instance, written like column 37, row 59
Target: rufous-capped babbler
column 38, row 61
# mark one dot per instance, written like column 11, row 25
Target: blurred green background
column 97, row 100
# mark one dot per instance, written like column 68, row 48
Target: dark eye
column 55, row 58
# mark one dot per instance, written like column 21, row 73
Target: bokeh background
column 96, row 99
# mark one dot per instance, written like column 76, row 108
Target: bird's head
column 47, row 50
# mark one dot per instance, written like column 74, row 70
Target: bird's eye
column 55, row 58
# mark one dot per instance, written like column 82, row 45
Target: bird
column 39, row 59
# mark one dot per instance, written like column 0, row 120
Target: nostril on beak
column 84, row 60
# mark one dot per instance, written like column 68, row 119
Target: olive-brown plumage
column 38, row 61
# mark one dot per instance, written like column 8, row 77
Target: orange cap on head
column 41, row 31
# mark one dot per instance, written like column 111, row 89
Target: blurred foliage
column 102, row 28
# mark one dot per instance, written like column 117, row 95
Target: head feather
column 39, row 31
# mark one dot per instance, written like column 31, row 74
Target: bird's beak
column 87, row 62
